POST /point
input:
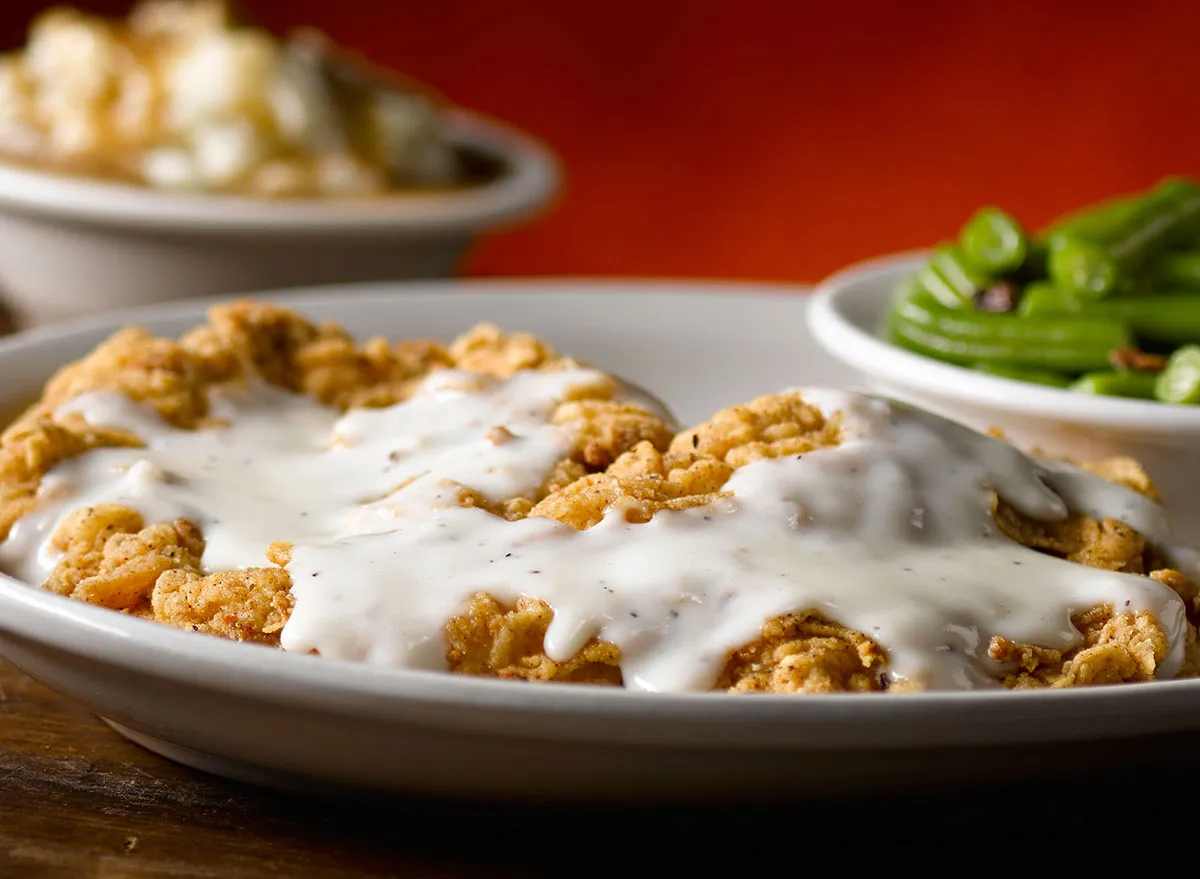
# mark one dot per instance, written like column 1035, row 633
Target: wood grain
column 76, row 800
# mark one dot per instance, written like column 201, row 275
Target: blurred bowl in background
column 846, row 316
column 71, row 246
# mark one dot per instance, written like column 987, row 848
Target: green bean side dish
column 1106, row 300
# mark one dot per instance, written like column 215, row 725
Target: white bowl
column 72, row 246
column 847, row 311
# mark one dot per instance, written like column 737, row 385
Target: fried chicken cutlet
column 618, row 456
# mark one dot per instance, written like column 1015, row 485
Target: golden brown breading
column 767, row 427
column 486, row 349
column 1186, row 589
column 255, row 339
column 604, row 431
column 323, row 361
column 1122, row 648
column 1126, row 472
column 378, row 374
column 1189, row 591
column 802, row 653
column 492, row 640
column 147, row 369
column 639, row 480
column 607, row 429
column 1107, row 543
column 110, row 559
column 252, row 604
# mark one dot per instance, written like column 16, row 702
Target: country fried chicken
column 623, row 458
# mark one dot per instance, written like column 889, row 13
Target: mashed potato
column 181, row 97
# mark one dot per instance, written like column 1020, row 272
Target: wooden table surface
column 77, row 800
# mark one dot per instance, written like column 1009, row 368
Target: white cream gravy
column 889, row 533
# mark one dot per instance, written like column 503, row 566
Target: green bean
column 1096, row 220
column 1024, row 374
column 1066, row 344
column 1177, row 271
column 1082, row 267
column 1094, row 265
column 1171, row 320
column 1034, row 267
column 994, row 241
column 1162, row 318
column 909, row 285
column 1180, row 381
column 951, row 278
column 1117, row 383
column 1042, row 298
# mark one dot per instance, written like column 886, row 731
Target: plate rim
column 570, row 286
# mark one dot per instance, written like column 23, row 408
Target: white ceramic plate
column 282, row 719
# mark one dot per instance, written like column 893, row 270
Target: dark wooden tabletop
column 77, row 800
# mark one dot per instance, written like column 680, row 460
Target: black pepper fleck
column 695, row 440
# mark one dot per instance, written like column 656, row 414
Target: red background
column 782, row 139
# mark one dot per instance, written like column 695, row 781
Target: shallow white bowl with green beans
column 848, row 313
